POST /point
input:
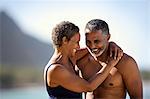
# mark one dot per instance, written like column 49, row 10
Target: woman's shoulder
column 53, row 71
column 53, row 67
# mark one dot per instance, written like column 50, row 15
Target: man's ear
column 64, row 40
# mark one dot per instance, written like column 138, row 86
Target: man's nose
column 92, row 46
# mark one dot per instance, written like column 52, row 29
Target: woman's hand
column 115, row 51
column 113, row 62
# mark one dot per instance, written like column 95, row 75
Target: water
column 25, row 93
column 40, row 93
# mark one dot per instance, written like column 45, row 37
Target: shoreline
column 146, row 82
column 38, row 85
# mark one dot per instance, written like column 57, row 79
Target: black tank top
column 60, row 92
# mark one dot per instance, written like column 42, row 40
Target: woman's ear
column 64, row 40
column 108, row 37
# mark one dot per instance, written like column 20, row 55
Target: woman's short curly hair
column 63, row 29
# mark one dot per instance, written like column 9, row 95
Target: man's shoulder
column 85, row 57
column 126, row 58
column 86, row 61
column 126, row 63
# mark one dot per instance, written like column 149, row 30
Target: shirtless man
column 124, row 77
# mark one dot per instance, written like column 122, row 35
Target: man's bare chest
column 114, row 79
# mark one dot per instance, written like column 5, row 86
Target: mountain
column 19, row 49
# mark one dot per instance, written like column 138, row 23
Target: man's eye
column 88, row 42
column 96, row 41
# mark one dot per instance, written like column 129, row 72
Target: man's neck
column 104, row 56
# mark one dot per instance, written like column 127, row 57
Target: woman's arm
column 114, row 50
column 61, row 76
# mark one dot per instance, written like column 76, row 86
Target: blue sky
column 129, row 20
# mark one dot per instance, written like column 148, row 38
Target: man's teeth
column 94, row 50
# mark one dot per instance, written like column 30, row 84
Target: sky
column 128, row 20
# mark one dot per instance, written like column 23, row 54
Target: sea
column 40, row 92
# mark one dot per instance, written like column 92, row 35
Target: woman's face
column 73, row 44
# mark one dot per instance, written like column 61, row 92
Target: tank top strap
column 46, row 73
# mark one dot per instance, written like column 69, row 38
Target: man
column 125, row 76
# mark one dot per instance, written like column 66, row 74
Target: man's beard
column 97, row 52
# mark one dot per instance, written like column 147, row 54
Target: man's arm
column 80, row 53
column 131, row 77
column 113, row 49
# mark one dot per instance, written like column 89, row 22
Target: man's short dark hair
column 97, row 24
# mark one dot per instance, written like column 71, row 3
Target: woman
column 60, row 75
